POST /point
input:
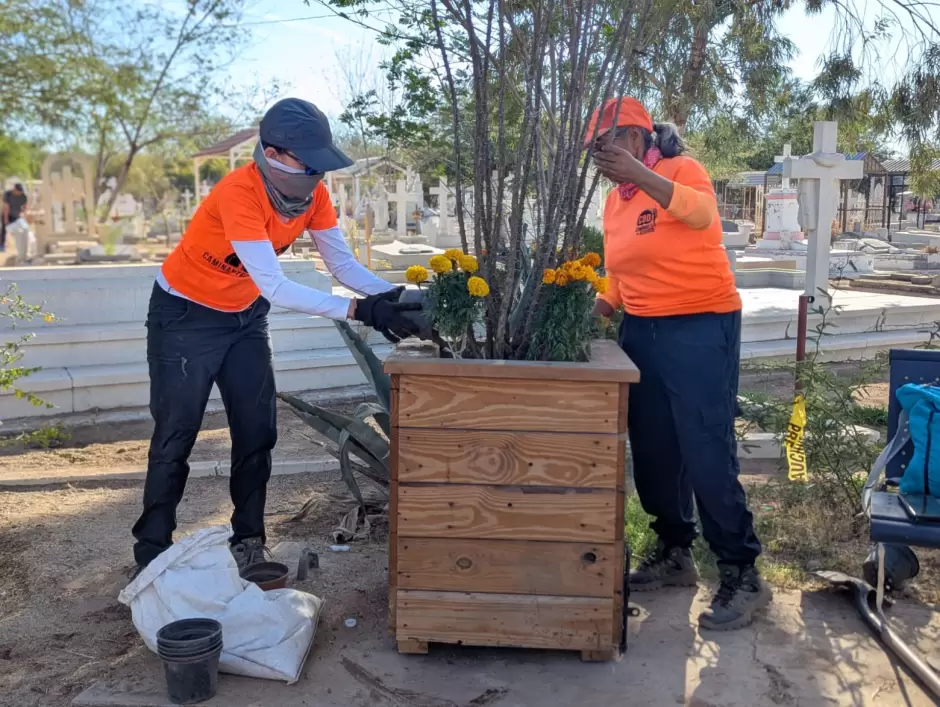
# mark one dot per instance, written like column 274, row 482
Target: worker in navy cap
column 208, row 318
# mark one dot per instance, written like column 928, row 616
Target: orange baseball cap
column 617, row 113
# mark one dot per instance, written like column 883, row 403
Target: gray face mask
column 290, row 193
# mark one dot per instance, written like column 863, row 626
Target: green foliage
column 564, row 327
column 838, row 453
column 51, row 437
column 18, row 312
column 592, row 241
column 454, row 311
column 19, row 158
column 118, row 79
column 925, row 180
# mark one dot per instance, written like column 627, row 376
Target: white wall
column 94, row 356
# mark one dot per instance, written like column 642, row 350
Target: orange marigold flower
column 562, row 278
column 548, row 277
column 592, row 260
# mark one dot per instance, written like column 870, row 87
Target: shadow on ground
column 63, row 634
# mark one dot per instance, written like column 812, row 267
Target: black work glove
column 386, row 314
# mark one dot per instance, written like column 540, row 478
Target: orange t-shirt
column 204, row 268
column 659, row 264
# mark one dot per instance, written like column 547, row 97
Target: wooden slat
column 608, row 363
column 620, row 508
column 510, row 567
column 393, row 472
column 507, row 512
column 550, row 406
column 569, row 623
column 509, row 458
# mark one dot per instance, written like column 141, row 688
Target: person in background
column 14, row 205
column 208, row 318
column 682, row 328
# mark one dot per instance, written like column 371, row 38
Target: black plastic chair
column 891, row 526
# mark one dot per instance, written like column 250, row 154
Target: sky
column 306, row 56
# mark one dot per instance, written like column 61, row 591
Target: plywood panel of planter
column 507, row 502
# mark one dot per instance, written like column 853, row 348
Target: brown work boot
column 664, row 567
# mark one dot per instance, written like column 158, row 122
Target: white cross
column 442, row 192
column 780, row 158
column 820, row 173
column 187, row 198
column 402, row 197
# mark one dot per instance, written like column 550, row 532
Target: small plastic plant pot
column 189, row 636
column 194, row 679
column 267, row 575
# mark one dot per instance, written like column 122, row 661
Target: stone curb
column 76, row 420
column 197, row 470
column 766, row 445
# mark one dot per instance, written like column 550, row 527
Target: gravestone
column 732, row 236
column 110, row 254
column 820, row 174
column 67, row 200
column 408, row 198
column 441, row 230
column 382, row 234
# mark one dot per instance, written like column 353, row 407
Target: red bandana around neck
column 650, row 160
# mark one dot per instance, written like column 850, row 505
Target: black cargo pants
column 190, row 347
column 682, row 437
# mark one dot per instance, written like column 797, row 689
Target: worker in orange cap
column 682, row 328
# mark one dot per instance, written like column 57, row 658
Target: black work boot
column 248, row 552
column 741, row 593
column 664, row 567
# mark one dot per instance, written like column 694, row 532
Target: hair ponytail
column 666, row 137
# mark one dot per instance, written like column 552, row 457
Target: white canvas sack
column 264, row 634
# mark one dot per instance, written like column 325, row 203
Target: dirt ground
column 64, row 558
column 65, row 551
column 124, row 444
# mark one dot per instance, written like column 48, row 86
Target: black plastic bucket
column 190, row 651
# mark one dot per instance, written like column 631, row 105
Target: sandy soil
column 124, row 445
column 65, row 551
column 64, row 557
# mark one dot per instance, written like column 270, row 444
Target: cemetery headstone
column 66, row 198
column 820, row 174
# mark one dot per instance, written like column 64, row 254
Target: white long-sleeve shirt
column 262, row 265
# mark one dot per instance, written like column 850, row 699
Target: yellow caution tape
column 793, row 442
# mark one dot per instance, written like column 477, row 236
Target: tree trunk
column 119, row 183
column 688, row 89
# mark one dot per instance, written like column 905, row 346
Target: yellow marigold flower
column 49, row 317
column 579, row 273
column 590, row 274
column 441, row 264
column 562, row 278
column 468, row 263
column 416, row 274
column 592, row 260
column 548, row 277
column 453, row 253
column 569, row 266
column 477, row 287
column 601, row 284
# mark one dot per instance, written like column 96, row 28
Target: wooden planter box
column 507, row 506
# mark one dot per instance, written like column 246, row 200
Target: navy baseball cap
column 299, row 126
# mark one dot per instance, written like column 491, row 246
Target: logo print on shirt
column 646, row 223
column 233, row 261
